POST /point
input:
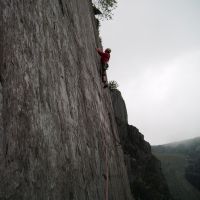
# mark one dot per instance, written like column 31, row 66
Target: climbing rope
column 107, row 173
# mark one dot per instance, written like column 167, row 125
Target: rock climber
column 105, row 56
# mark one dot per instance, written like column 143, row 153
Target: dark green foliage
column 106, row 7
column 113, row 85
column 96, row 10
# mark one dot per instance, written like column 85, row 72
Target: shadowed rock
column 144, row 170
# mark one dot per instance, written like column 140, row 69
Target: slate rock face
column 144, row 170
column 56, row 120
column 119, row 106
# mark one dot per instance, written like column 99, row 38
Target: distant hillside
column 181, row 167
column 190, row 146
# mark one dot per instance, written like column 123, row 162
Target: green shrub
column 106, row 7
column 113, row 85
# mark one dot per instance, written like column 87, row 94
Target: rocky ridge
column 144, row 169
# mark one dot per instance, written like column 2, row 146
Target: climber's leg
column 103, row 74
column 104, row 79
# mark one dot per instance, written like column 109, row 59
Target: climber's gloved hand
column 98, row 49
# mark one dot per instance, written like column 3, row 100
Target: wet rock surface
column 144, row 170
column 56, row 120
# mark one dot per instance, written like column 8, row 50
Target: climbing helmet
column 108, row 50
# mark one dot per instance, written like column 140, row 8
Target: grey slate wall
column 56, row 120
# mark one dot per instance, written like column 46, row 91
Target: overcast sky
column 156, row 62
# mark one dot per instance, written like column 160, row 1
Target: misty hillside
column 189, row 146
column 181, row 167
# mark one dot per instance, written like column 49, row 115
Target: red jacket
column 105, row 56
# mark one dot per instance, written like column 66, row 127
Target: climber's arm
column 99, row 52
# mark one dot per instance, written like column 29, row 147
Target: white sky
column 156, row 61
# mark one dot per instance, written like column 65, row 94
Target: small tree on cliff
column 106, row 7
column 113, row 85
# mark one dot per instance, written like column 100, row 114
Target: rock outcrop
column 144, row 170
column 57, row 128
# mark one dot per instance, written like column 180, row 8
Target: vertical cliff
column 57, row 127
column 144, row 170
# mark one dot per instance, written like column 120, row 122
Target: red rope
column 107, row 172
